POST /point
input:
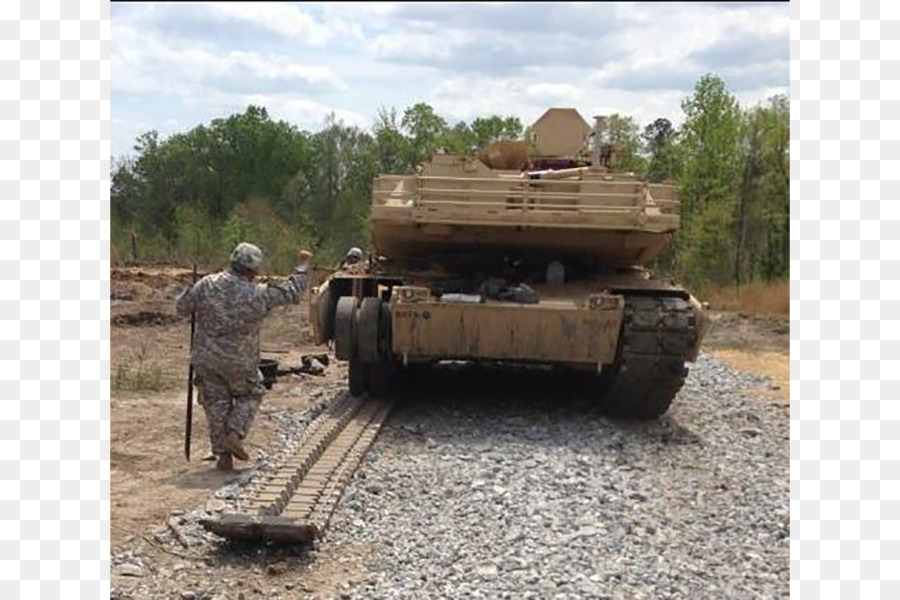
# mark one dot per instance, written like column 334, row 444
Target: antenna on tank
column 599, row 130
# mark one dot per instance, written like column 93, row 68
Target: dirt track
column 151, row 480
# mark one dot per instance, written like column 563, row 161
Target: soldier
column 229, row 309
column 354, row 256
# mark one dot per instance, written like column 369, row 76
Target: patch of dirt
column 753, row 343
column 121, row 294
column 748, row 332
column 776, row 365
column 154, row 277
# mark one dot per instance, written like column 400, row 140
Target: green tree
column 710, row 151
column 425, row 128
column 764, row 207
column 660, row 143
column 246, row 176
column 126, row 188
column 392, row 147
column 458, row 139
column 490, row 129
column 625, row 133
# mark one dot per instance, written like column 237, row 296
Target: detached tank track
column 295, row 501
column 658, row 334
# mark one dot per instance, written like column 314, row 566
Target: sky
column 175, row 66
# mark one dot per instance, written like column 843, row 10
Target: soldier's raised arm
column 289, row 291
column 186, row 302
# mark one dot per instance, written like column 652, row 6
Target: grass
column 776, row 365
column 138, row 372
column 760, row 297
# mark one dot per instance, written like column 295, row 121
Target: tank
column 530, row 253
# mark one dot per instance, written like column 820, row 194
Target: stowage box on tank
column 537, row 264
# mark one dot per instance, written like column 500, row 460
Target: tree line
column 192, row 196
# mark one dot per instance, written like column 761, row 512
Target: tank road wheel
column 385, row 331
column 345, row 328
column 373, row 352
column 367, row 332
column 657, row 336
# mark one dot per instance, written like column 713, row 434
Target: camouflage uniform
column 229, row 311
column 354, row 256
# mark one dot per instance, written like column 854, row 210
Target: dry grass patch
column 138, row 371
column 776, row 365
column 767, row 298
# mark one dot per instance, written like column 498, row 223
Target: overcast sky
column 177, row 65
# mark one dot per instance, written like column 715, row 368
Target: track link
column 658, row 335
column 294, row 503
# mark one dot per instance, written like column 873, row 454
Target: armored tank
column 541, row 260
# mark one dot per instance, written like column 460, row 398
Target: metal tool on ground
column 269, row 369
column 189, row 416
column 309, row 365
column 294, row 502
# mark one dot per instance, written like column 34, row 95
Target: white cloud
column 276, row 68
column 189, row 62
column 467, row 97
column 305, row 113
column 420, row 46
column 284, row 19
column 483, row 48
column 553, row 92
column 464, row 98
column 174, row 68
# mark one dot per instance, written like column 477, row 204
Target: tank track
column 294, row 502
column 658, row 337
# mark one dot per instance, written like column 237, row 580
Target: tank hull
column 575, row 324
column 545, row 333
column 615, row 248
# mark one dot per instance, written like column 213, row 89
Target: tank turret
column 563, row 198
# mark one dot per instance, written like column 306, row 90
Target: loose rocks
column 498, row 483
column 520, row 491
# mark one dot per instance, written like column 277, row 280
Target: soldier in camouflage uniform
column 354, row 256
column 229, row 310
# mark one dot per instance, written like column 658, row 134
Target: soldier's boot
column 225, row 462
column 233, row 444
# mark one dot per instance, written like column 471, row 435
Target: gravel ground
column 491, row 483
column 484, row 490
